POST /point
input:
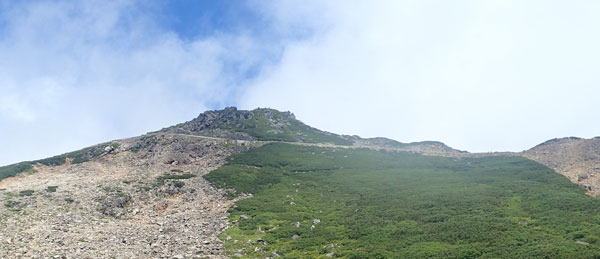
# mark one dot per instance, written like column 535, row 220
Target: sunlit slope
column 311, row 201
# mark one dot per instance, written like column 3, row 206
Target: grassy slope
column 375, row 204
column 260, row 127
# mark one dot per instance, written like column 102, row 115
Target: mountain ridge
column 266, row 124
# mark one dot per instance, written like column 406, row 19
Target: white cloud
column 478, row 75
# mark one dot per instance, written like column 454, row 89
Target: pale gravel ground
column 158, row 223
column 572, row 157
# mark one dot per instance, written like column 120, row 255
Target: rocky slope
column 144, row 199
column 576, row 158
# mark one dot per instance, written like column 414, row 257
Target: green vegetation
column 11, row 204
column 310, row 202
column 12, row 170
column 262, row 124
column 80, row 156
column 89, row 153
column 51, row 188
column 26, row 193
column 14, row 206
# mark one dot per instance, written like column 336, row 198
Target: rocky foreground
column 149, row 202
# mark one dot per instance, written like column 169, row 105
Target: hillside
column 261, row 183
column 311, row 201
column 576, row 158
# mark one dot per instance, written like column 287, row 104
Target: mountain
column 262, row 184
column 271, row 125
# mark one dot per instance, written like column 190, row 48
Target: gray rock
column 109, row 149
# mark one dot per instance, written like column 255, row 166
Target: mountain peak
column 258, row 124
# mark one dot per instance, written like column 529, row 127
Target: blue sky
column 196, row 19
column 477, row 75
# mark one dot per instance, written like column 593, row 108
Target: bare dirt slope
column 121, row 205
column 575, row 158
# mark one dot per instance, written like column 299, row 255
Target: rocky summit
column 149, row 197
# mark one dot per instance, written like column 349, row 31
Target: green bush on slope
column 77, row 157
column 310, row 202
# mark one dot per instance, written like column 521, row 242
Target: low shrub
column 26, row 193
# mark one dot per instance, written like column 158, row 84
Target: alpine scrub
column 358, row 203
